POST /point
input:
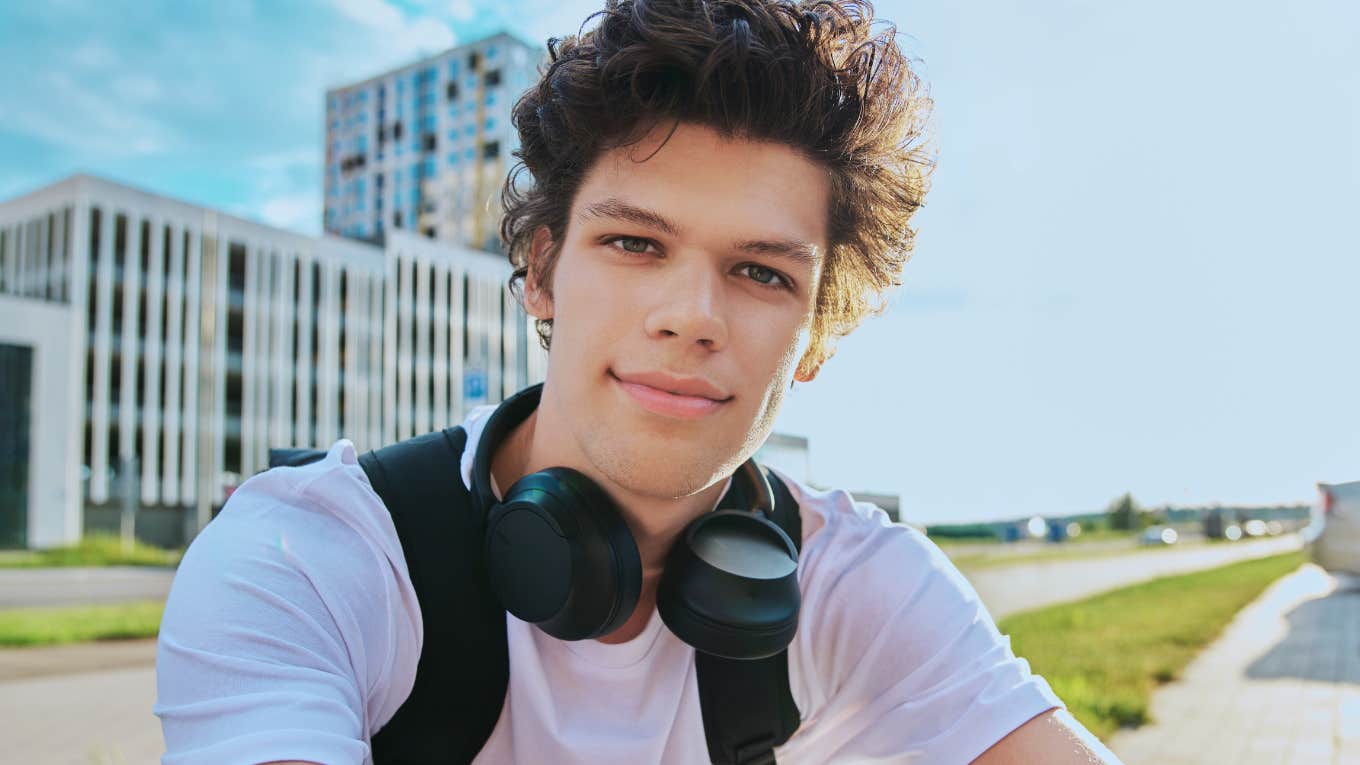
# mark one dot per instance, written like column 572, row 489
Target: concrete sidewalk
column 1281, row 686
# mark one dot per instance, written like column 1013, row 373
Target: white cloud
column 295, row 212
column 393, row 31
column 80, row 116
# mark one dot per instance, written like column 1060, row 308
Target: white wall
column 53, row 481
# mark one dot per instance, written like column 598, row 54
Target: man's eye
column 767, row 277
column 632, row 244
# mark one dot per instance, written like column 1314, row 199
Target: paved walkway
column 87, row 718
column 1281, row 686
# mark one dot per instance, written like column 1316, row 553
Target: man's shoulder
column 835, row 519
column 316, row 516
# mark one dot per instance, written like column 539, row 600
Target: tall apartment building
column 425, row 148
column 151, row 351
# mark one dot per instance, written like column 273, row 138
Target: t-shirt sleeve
column 287, row 634
column 897, row 660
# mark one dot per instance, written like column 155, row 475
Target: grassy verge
column 1106, row 655
column 93, row 550
column 57, row 626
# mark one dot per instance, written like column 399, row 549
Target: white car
column 1333, row 536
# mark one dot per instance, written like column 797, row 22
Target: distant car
column 1159, row 535
column 1333, row 536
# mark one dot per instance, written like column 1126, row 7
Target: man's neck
column 543, row 441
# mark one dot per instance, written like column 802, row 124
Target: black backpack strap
column 747, row 706
column 464, row 667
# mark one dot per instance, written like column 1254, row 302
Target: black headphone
column 559, row 555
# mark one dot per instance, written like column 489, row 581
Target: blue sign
column 474, row 386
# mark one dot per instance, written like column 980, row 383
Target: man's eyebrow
column 803, row 253
column 617, row 208
column 800, row 252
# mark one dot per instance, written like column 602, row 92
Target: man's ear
column 538, row 300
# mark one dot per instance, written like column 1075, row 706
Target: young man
column 720, row 189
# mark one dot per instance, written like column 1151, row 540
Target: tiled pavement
column 1281, row 686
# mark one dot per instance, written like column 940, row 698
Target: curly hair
column 822, row 77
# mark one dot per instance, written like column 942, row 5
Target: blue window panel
column 490, row 123
column 415, row 197
column 453, row 159
column 427, row 123
column 490, row 51
column 491, row 98
column 469, row 154
column 429, row 168
column 470, row 130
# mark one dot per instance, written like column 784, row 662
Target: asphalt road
column 1024, row 586
column 28, row 587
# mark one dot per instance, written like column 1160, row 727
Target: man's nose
column 690, row 307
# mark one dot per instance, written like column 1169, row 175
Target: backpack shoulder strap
column 464, row 666
column 747, row 706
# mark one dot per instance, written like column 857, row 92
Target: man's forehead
column 755, row 190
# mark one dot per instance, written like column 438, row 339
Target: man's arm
column 1053, row 738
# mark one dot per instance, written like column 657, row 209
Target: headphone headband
column 508, row 415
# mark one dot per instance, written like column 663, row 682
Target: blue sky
column 1135, row 270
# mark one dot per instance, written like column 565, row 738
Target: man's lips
column 697, row 399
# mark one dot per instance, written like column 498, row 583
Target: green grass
column 92, row 550
column 1104, row 656
column 57, row 626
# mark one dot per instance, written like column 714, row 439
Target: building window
column 451, row 90
column 491, row 150
column 473, row 60
column 427, row 142
column 492, row 78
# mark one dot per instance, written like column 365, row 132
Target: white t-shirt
column 292, row 632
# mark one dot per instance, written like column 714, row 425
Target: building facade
column 425, row 148
column 153, row 351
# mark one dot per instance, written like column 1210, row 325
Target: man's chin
column 662, row 474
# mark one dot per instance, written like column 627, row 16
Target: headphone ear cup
column 560, row 556
column 730, row 587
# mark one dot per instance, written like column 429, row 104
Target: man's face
column 689, row 269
